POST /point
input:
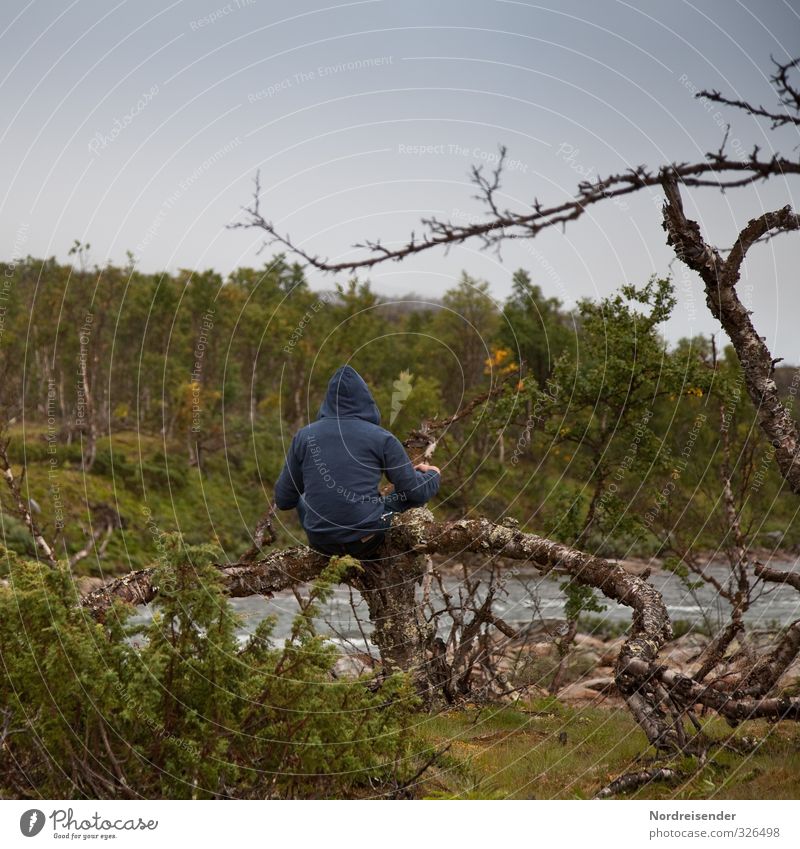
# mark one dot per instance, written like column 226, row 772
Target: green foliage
column 580, row 599
column 457, row 349
column 114, row 465
column 198, row 381
column 181, row 710
column 16, row 540
column 161, row 476
column 534, row 327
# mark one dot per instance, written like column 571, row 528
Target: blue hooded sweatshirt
column 337, row 462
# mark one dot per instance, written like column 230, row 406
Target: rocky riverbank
column 589, row 668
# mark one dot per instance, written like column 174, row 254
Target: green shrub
column 164, row 477
column 70, row 453
column 17, row 538
column 114, row 465
column 602, row 627
column 181, row 710
column 36, row 449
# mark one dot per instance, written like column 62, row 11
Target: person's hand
column 426, row 467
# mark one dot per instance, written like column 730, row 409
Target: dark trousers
column 361, row 549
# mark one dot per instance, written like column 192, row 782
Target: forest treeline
column 177, row 394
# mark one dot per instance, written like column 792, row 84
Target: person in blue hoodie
column 334, row 467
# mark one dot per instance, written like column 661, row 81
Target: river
column 529, row 596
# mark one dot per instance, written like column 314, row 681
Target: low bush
column 181, row 709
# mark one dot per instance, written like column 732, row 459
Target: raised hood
column 348, row 397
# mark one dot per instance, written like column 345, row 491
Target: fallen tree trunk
column 388, row 588
column 273, row 573
column 658, row 697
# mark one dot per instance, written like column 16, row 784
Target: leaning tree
column 660, row 698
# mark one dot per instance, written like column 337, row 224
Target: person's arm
column 289, row 485
column 416, row 487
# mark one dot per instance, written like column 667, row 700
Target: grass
column 547, row 750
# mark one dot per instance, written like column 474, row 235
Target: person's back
column 334, row 467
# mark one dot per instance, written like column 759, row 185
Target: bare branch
column 782, row 220
column 778, row 576
column 23, row 508
column 107, row 521
column 734, row 709
column 264, row 535
column 718, row 170
column 788, row 95
column 507, row 224
column 634, row 780
column 425, row 437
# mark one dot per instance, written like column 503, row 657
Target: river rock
column 87, row 583
column 604, row 685
column 541, row 649
column 587, row 641
column 679, row 656
column 610, row 652
column 579, row 692
column 353, row 664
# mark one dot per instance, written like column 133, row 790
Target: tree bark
column 389, row 589
column 720, row 277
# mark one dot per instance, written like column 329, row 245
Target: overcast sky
column 139, row 126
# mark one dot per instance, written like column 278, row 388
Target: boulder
column 587, row 641
column 354, row 664
column 604, row 685
column 578, row 692
column 610, row 652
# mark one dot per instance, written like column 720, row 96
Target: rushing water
column 529, row 597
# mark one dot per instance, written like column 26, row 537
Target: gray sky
column 139, row 126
